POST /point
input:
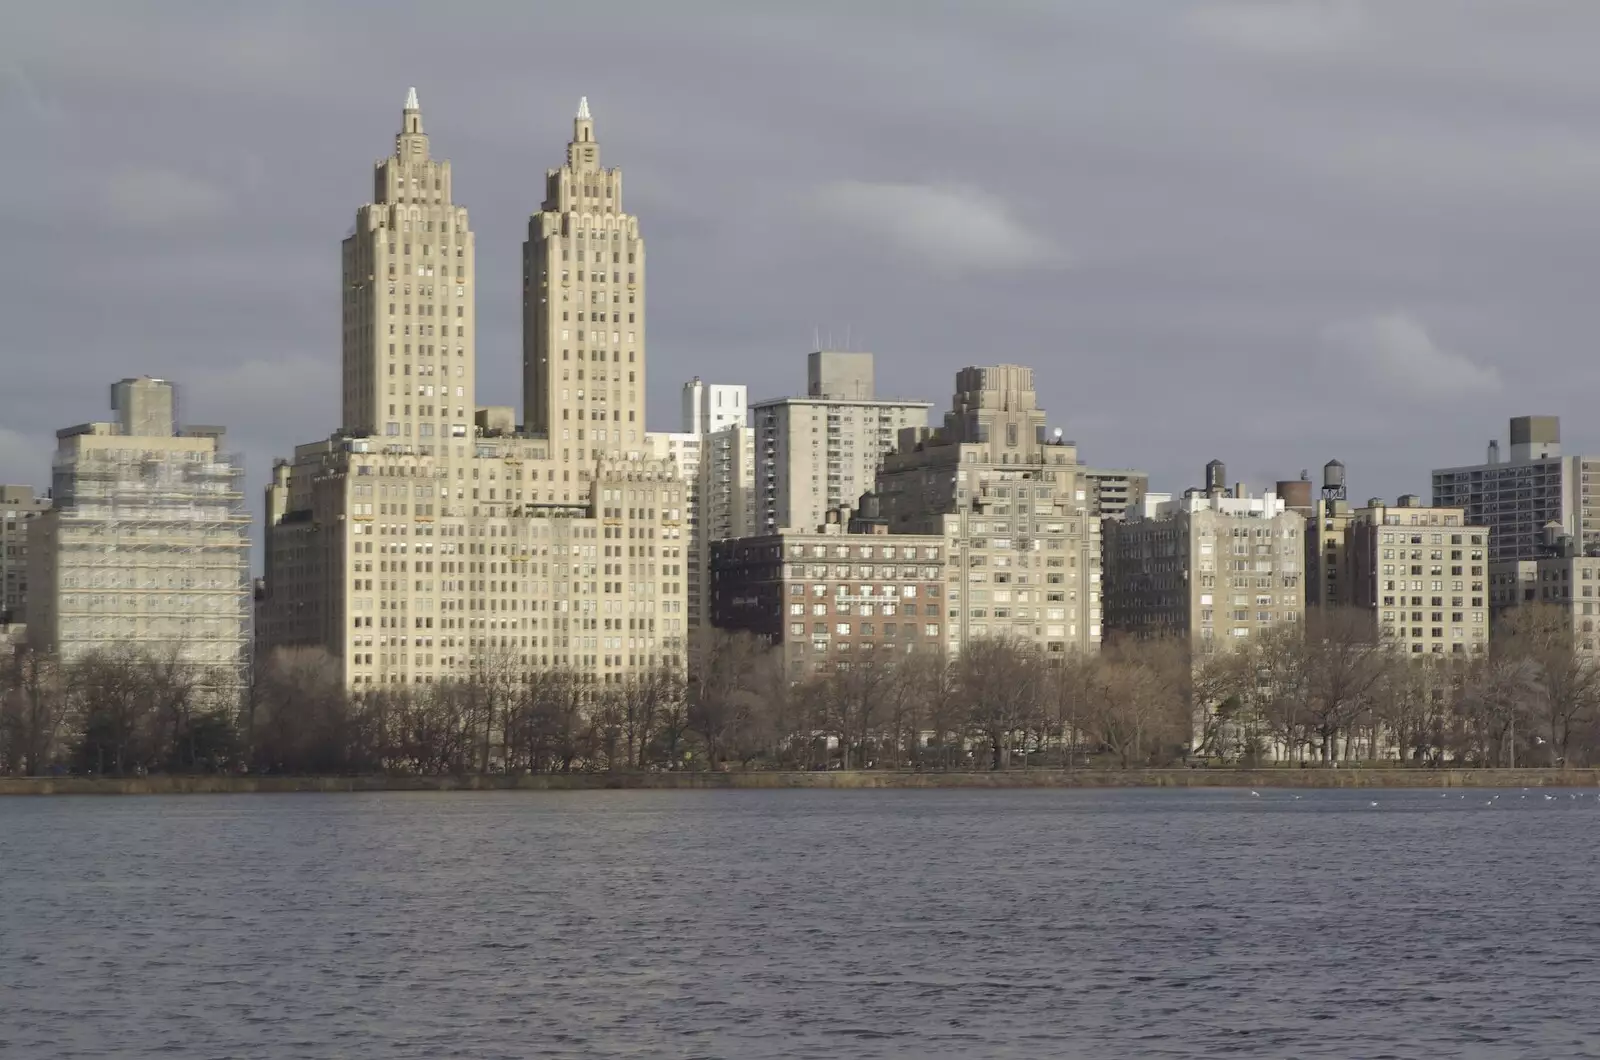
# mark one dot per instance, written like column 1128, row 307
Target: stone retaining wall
column 853, row 779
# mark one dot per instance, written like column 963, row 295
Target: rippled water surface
column 801, row 924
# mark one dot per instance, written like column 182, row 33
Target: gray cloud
column 151, row 197
column 1227, row 178
column 1397, row 354
column 946, row 228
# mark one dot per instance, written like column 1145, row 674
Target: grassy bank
column 1041, row 778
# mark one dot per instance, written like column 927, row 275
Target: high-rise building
column 146, row 544
column 408, row 279
column 1421, row 572
column 714, row 451
column 18, row 505
column 583, row 312
column 430, row 539
column 1010, row 500
column 1213, row 568
column 822, row 451
column 1517, row 498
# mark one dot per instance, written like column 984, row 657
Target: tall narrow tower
column 409, row 326
column 583, row 311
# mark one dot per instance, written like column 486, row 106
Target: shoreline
column 852, row 780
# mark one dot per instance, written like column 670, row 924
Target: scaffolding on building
column 152, row 553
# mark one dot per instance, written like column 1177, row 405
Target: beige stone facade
column 18, row 506
column 1210, row 568
column 1422, row 572
column 431, row 556
column 822, row 451
column 1010, row 502
column 583, row 312
column 1568, row 582
column 147, row 544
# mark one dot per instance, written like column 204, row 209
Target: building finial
column 583, row 108
column 411, row 99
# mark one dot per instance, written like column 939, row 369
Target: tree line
column 1322, row 691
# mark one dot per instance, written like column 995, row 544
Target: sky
column 1271, row 232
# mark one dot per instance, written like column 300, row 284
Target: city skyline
column 1407, row 250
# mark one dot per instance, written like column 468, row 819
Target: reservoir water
column 797, row 924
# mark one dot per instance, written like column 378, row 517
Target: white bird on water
column 1549, row 798
column 1373, row 804
column 1255, row 794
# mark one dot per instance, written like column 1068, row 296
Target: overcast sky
column 1270, row 232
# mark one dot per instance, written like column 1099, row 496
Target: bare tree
column 1000, row 682
column 854, row 696
column 302, row 716
column 722, row 690
column 33, row 711
column 1567, row 681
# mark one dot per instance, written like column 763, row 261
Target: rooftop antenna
column 847, row 337
column 816, row 337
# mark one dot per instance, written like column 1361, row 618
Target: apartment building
column 1009, row 500
column 1114, row 492
column 147, row 543
column 833, row 594
column 428, row 539
column 714, row 451
column 18, row 507
column 1518, row 497
column 1422, row 571
column 1213, row 568
column 820, row 452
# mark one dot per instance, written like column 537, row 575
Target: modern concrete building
column 1422, row 573
column 431, row 540
column 820, row 452
column 830, row 595
column 1009, row 499
column 1214, row 568
column 146, row 544
column 710, row 407
column 18, row 506
column 1518, row 497
column 714, row 452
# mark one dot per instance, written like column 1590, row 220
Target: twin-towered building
column 429, row 538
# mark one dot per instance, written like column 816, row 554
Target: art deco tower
column 583, row 311
column 409, row 327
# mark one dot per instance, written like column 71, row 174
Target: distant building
column 1422, row 574
column 1562, row 577
column 147, row 544
column 820, row 452
column 1213, row 568
column 1517, row 498
column 1327, row 526
column 828, row 595
column 1010, row 499
column 427, row 542
column 714, row 452
column 1114, row 493
column 18, row 506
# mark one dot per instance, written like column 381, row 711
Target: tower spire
column 583, row 107
column 411, row 99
